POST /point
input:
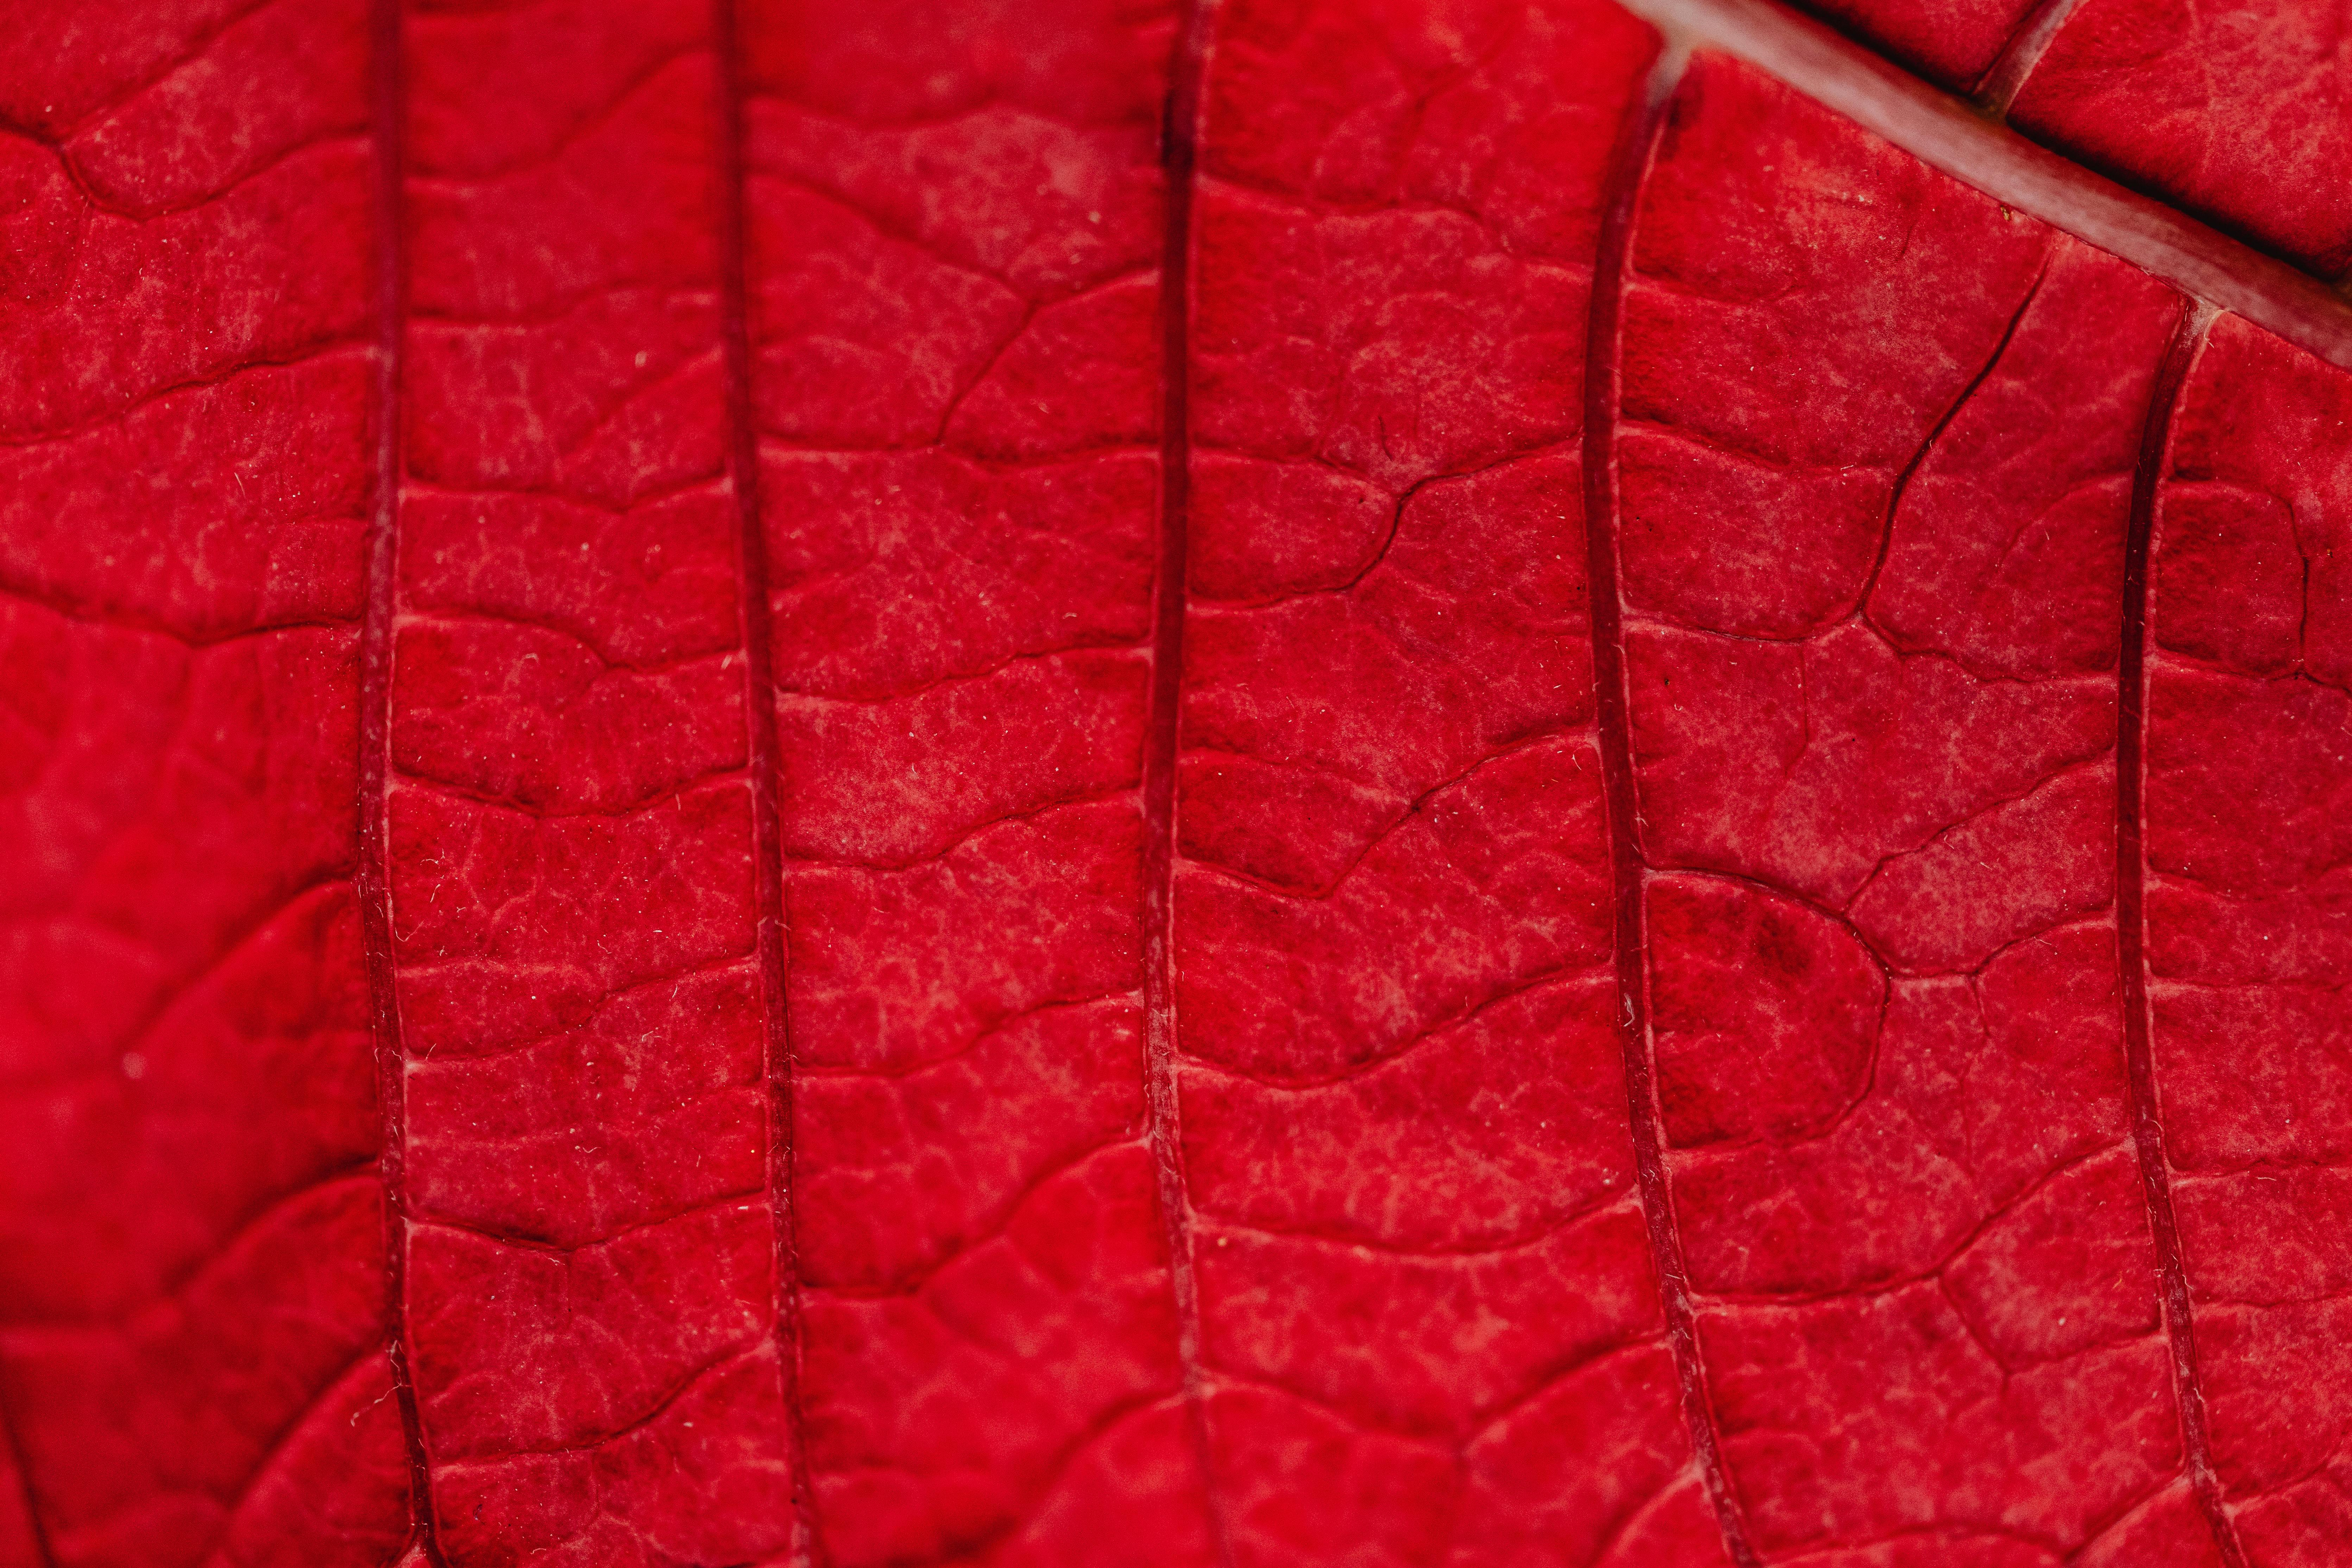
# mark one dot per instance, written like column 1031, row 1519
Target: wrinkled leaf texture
column 1061, row 783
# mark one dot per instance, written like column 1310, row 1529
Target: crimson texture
column 1139, row 783
column 2237, row 112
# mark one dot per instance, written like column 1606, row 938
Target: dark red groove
column 1636, row 142
column 15, row 1453
column 2131, row 882
column 765, row 755
column 1936, row 432
column 1955, row 136
column 388, row 88
column 1179, row 132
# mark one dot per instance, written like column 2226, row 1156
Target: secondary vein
column 766, row 766
column 2131, row 953
column 1636, row 143
column 1178, row 132
column 388, row 89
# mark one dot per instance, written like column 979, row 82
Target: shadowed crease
column 14, row 1452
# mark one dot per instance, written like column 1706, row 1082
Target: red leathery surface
column 1859, row 988
column 2250, row 722
column 2240, row 114
column 1402, row 1099
column 589, row 1261
column 2236, row 112
column 955, row 239
column 1108, row 782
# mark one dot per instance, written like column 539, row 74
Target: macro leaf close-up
column 1175, row 784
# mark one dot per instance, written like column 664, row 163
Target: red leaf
column 1295, row 782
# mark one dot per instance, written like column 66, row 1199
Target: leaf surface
column 1503, row 783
